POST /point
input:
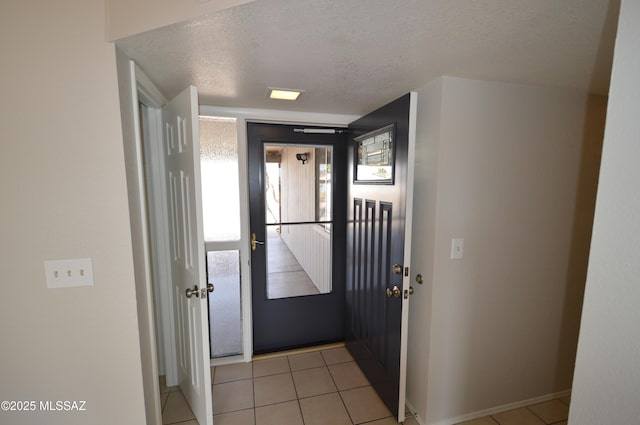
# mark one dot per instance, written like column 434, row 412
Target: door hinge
column 408, row 292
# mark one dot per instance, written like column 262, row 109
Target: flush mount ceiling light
column 283, row 94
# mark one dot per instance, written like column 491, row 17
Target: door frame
column 408, row 230
column 134, row 93
column 149, row 95
column 243, row 116
column 273, row 328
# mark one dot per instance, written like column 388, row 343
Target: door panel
column 376, row 240
column 279, row 321
column 180, row 119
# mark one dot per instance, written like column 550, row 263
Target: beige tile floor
column 317, row 388
column 550, row 412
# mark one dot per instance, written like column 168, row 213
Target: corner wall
column 64, row 195
column 508, row 174
column 605, row 388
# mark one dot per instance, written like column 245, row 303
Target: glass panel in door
column 298, row 218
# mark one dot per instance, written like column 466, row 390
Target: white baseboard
column 413, row 412
column 494, row 410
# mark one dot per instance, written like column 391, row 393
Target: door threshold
column 222, row 361
column 295, row 351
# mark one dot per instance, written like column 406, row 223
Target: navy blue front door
column 377, row 193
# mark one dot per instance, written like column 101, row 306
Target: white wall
column 503, row 320
column 64, row 195
column 130, row 17
column 606, row 388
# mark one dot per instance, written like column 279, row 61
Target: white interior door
column 186, row 236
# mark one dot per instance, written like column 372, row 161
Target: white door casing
column 408, row 233
column 186, row 240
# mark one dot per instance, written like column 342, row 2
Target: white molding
column 148, row 298
column 278, row 116
column 498, row 409
column 245, row 254
column 152, row 97
column 408, row 232
column 413, row 413
column 150, row 94
column 223, row 245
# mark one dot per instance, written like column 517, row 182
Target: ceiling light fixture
column 284, row 94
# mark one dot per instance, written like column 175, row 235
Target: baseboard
column 413, row 413
column 497, row 409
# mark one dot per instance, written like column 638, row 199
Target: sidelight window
column 221, row 219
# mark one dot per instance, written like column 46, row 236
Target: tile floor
column 550, row 412
column 317, row 388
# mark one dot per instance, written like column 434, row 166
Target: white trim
column 152, row 95
column 245, row 254
column 148, row 300
column 277, row 116
column 222, row 245
column 497, row 409
column 413, row 412
column 408, row 231
column 153, row 99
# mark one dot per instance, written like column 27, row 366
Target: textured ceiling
column 351, row 56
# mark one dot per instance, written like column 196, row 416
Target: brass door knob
column 255, row 242
column 393, row 292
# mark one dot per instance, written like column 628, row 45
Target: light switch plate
column 69, row 273
column 457, row 248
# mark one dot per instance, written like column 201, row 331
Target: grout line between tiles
column 534, row 414
column 253, row 389
column 295, row 387
column 300, row 409
column 345, row 406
